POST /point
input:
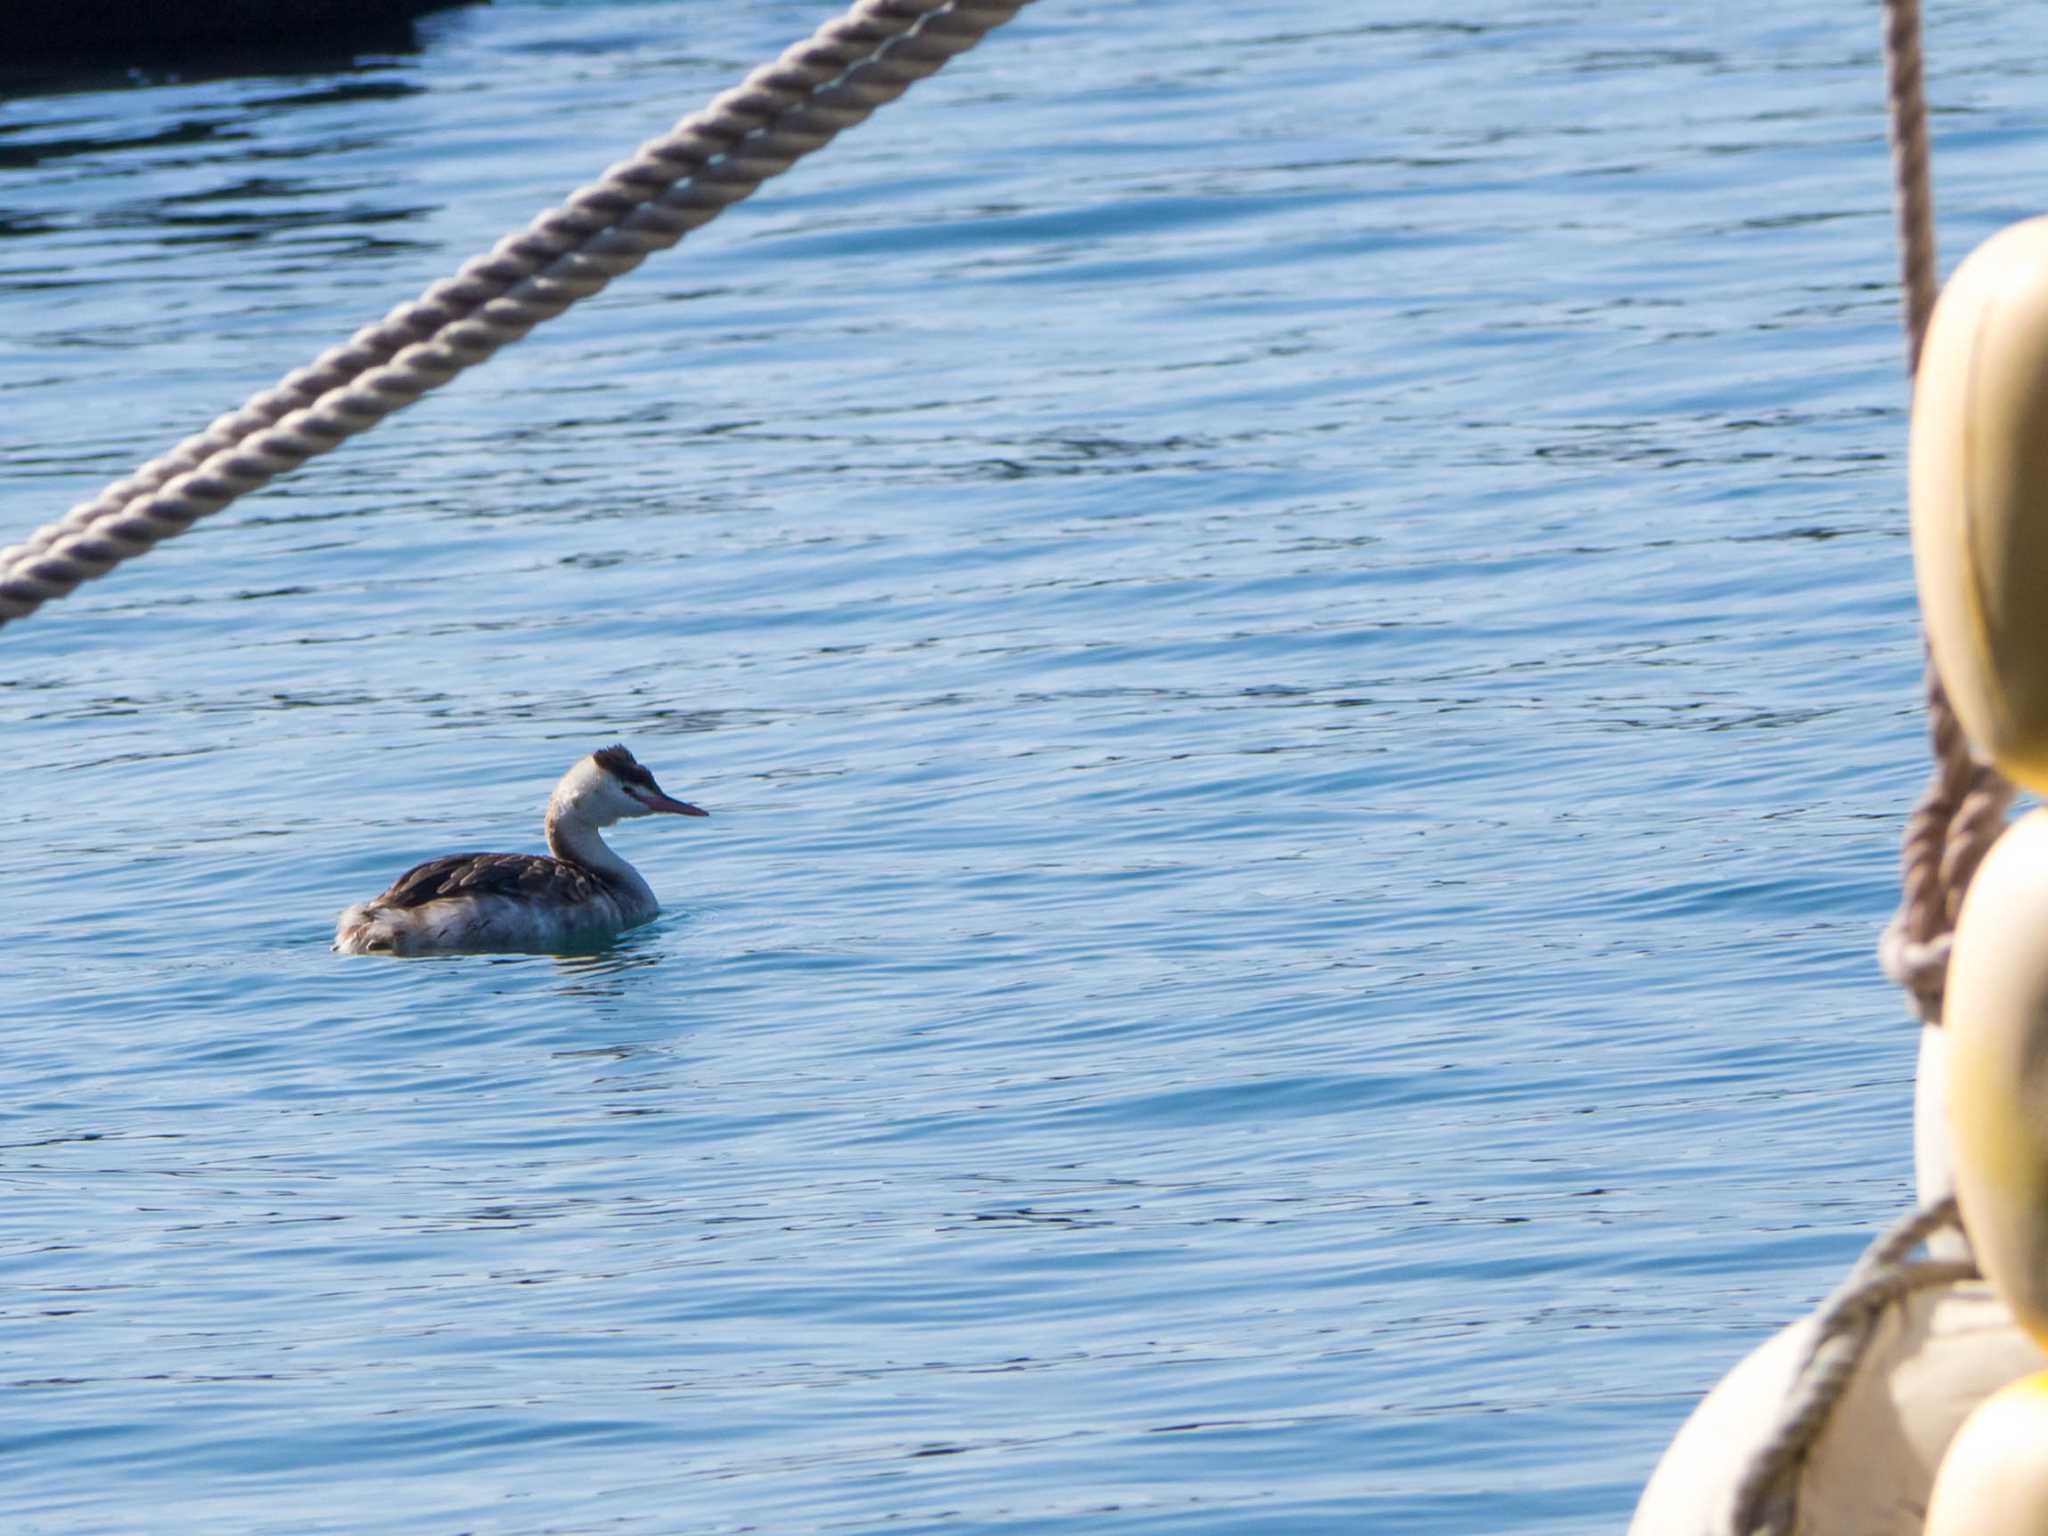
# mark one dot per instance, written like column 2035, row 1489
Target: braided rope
column 1766, row 1498
column 1952, row 826
column 715, row 157
column 1912, row 172
column 1962, row 810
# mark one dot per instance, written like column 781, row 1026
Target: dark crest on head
column 621, row 765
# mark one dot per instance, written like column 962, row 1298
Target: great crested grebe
column 481, row 901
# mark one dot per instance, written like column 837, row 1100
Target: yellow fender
column 1996, row 1015
column 1994, row 1481
column 1979, row 483
column 1935, row 1356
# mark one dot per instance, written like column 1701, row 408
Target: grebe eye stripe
column 620, row 764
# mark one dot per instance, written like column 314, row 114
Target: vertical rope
column 1962, row 810
column 1912, row 175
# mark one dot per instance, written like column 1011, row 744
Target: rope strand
column 679, row 182
column 1912, row 171
column 1766, row 1498
column 1951, row 828
column 1962, row 810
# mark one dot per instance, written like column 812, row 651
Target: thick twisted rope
column 1766, row 1498
column 1912, row 170
column 1962, row 810
column 782, row 111
column 1958, row 817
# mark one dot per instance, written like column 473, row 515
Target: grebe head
column 610, row 786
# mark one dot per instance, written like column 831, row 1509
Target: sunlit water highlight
column 1298, row 634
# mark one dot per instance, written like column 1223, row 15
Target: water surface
column 1298, row 633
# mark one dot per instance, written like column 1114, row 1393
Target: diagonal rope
column 781, row 112
column 1767, row 1495
column 1962, row 810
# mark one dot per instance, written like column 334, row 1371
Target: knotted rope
column 1958, row 817
column 1962, row 810
column 1766, row 1497
column 781, row 112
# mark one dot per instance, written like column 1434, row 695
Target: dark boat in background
column 47, row 26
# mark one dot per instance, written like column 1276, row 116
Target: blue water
column 1297, row 628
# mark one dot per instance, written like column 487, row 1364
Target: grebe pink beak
column 655, row 800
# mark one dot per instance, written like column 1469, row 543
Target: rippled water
column 1298, row 633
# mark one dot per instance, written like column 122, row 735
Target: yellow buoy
column 1980, row 496
column 1996, row 1014
column 1994, row 1479
column 1935, row 1354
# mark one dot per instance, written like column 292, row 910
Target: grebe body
column 487, row 901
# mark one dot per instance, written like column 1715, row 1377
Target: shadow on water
column 586, row 969
column 64, row 45
column 240, row 167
